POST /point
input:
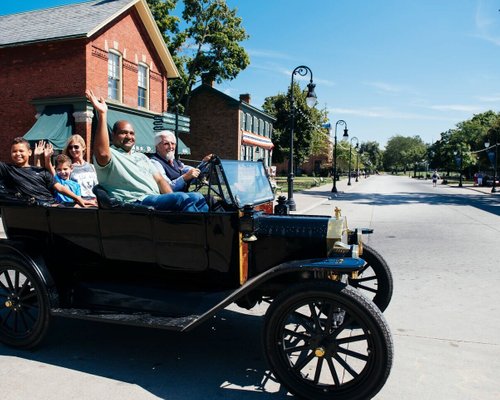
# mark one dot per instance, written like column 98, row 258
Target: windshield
column 248, row 182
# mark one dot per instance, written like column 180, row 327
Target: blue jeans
column 178, row 201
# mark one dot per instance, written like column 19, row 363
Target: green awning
column 144, row 132
column 54, row 125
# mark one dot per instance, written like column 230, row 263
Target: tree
column 209, row 43
column 372, row 153
column 402, row 153
column 309, row 137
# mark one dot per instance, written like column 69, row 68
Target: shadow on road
column 480, row 201
column 221, row 359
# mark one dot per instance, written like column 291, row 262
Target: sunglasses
column 73, row 146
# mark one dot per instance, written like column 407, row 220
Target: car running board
column 137, row 319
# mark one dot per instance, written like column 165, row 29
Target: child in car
column 64, row 169
column 31, row 182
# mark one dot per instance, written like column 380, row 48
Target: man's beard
column 170, row 155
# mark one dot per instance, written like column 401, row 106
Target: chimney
column 206, row 79
column 245, row 97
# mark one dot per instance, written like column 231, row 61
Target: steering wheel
column 204, row 178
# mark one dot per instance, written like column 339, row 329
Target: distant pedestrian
column 480, row 179
column 435, row 177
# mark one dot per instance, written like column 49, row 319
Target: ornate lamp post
column 345, row 136
column 311, row 101
column 350, row 152
column 487, row 145
column 460, row 163
column 357, row 163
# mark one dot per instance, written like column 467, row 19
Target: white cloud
column 267, row 54
column 489, row 99
column 385, row 87
column 486, row 22
column 390, row 88
column 385, row 113
column 457, row 107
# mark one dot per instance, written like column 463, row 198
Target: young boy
column 32, row 182
column 64, row 169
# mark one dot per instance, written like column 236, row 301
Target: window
column 142, row 86
column 243, row 120
column 114, row 76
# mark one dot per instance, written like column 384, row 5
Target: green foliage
column 208, row 43
column 309, row 137
column 167, row 24
column 467, row 139
column 371, row 155
column 401, row 153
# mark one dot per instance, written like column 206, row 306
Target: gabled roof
column 81, row 20
column 230, row 100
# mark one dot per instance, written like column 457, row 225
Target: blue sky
column 386, row 67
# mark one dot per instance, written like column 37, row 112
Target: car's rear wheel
column 323, row 341
column 374, row 278
column 24, row 305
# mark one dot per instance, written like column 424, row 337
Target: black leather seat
column 106, row 202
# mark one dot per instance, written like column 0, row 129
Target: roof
column 231, row 101
column 80, row 20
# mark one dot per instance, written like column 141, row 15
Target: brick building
column 49, row 57
column 230, row 128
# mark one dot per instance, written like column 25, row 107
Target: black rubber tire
column 324, row 340
column 24, row 304
column 374, row 279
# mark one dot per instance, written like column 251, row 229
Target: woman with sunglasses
column 83, row 172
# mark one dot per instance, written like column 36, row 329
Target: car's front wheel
column 374, row 279
column 324, row 341
column 24, row 305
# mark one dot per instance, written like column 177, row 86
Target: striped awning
column 252, row 139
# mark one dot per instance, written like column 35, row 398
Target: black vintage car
column 324, row 334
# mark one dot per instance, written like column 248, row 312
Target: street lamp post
column 345, row 136
column 460, row 164
column 311, row 101
column 357, row 163
column 487, row 145
column 350, row 151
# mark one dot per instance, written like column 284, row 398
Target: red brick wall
column 67, row 68
column 27, row 72
column 214, row 127
column 127, row 36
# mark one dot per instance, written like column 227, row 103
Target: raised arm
column 48, row 151
column 38, row 153
column 101, row 149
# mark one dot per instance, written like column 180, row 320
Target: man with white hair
column 173, row 171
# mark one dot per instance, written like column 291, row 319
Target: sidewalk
column 306, row 200
column 480, row 189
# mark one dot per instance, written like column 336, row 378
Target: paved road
column 443, row 247
column 445, row 315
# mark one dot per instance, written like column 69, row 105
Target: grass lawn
column 301, row 182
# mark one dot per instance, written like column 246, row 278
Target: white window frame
column 115, row 73
column 145, row 87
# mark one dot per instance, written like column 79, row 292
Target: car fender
column 332, row 265
column 35, row 262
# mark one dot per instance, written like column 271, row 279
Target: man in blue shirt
column 178, row 175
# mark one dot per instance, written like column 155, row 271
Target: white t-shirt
column 86, row 176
